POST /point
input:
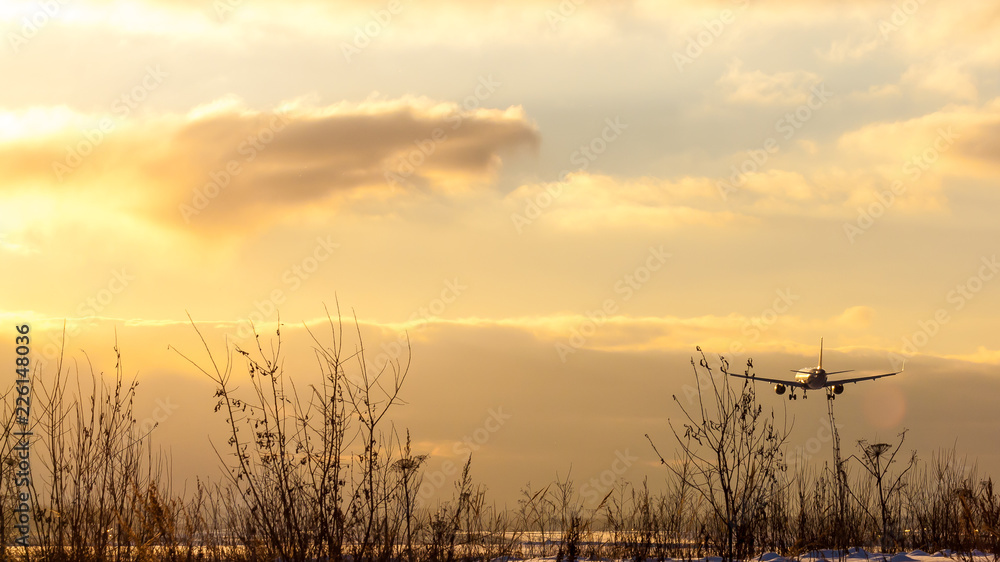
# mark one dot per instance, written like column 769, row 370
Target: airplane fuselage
column 814, row 378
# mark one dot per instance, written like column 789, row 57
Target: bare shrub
column 734, row 451
column 301, row 490
column 877, row 459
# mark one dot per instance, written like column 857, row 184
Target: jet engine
column 780, row 389
column 838, row 389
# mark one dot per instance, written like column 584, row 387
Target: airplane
column 814, row 378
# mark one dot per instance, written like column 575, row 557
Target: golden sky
column 558, row 200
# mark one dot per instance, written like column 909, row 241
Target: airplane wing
column 795, row 384
column 871, row 378
column 831, row 373
column 859, row 379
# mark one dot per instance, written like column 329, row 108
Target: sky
column 555, row 202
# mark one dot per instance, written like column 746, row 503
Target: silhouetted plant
column 877, row 460
column 735, row 453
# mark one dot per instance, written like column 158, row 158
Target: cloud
column 820, row 192
column 757, row 88
column 584, row 200
column 223, row 164
column 850, row 48
column 875, row 93
column 780, row 185
column 13, row 245
column 928, row 29
column 981, row 355
column 409, row 23
column 734, row 334
column 957, row 140
column 941, row 76
column 856, row 317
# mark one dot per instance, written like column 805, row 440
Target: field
column 318, row 472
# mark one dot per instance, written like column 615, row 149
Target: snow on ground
column 853, row 554
column 861, row 554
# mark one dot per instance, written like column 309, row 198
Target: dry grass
column 317, row 472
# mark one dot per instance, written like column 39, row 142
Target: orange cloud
column 956, row 140
column 756, row 87
column 223, row 164
column 583, row 200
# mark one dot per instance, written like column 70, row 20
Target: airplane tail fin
column 821, row 353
